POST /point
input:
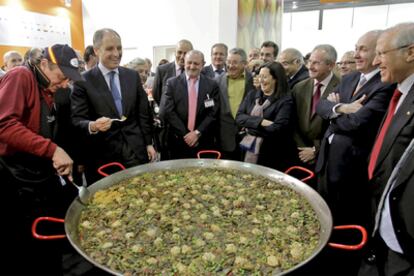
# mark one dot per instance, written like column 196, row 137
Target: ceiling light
column 294, row 5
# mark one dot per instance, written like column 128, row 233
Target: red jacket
column 20, row 115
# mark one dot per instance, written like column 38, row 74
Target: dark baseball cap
column 66, row 59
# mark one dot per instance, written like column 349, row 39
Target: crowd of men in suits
column 354, row 130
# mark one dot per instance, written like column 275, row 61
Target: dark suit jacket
column 278, row 149
column 162, row 74
column 402, row 204
column 175, row 108
column 209, row 72
column 228, row 127
column 344, row 161
column 309, row 130
column 397, row 138
column 92, row 99
column 301, row 75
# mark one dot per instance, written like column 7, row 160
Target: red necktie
column 192, row 104
column 316, row 97
column 380, row 139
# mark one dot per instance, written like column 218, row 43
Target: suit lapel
column 350, row 89
column 100, row 83
column 124, row 88
column 403, row 115
column 202, row 92
column 223, row 83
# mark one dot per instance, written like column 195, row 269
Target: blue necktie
column 115, row 93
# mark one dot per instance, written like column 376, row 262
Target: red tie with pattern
column 380, row 139
column 316, row 97
column 192, row 104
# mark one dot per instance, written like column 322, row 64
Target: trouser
column 20, row 205
column 382, row 261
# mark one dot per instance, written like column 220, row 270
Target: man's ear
column 410, row 55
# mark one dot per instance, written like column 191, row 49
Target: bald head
column 12, row 59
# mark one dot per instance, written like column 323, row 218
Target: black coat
column 92, row 99
column 344, row 161
column 278, row 149
column 174, row 108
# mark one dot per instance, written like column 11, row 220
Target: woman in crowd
column 267, row 117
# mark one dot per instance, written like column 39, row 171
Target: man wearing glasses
column 392, row 247
column 296, row 71
column 347, row 64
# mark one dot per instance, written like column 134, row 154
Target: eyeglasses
column 382, row 53
column 345, row 63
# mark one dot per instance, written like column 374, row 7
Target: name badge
column 208, row 102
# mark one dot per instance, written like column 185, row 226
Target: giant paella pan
column 197, row 217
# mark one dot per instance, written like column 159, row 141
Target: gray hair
column 295, row 54
column 330, row 51
column 404, row 34
column 222, row 45
column 8, row 54
column 135, row 62
column 99, row 34
column 195, row 52
column 240, row 52
column 35, row 55
column 186, row 42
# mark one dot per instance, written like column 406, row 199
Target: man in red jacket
column 30, row 162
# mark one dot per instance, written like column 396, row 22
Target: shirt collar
column 406, row 85
column 105, row 70
column 325, row 82
column 369, row 75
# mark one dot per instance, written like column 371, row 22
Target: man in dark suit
column 355, row 112
column 191, row 107
column 112, row 92
column 234, row 86
column 292, row 60
column 393, row 236
column 218, row 61
column 310, row 126
column 169, row 70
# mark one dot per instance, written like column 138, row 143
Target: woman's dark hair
column 277, row 71
column 88, row 53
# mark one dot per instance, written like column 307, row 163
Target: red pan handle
column 42, row 237
column 209, row 151
column 351, row 247
column 101, row 168
column 310, row 176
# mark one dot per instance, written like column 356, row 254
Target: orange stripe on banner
column 52, row 55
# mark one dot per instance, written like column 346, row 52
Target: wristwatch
column 197, row 132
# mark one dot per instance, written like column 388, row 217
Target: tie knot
column 219, row 71
column 318, row 85
column 396, row 96
column 362, row 80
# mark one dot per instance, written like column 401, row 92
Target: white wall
column 145, row 24
column 341, row 27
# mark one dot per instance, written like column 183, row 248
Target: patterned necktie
column 316, row 97
column 361, row 83
column 192, row 104
column 115, row 93
column 380, row 139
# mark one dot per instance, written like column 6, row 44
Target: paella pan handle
column 43, row 237
column 101, row 168
column 351, row 247
column 201, row 152
column 310, row 176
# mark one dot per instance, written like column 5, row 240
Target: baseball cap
column 66, row 59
